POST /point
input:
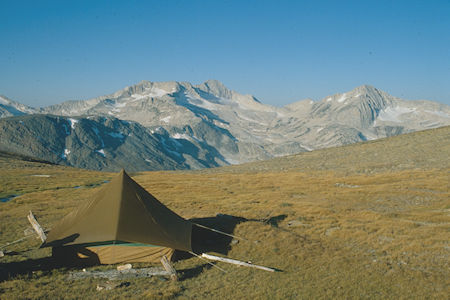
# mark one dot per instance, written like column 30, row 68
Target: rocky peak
column 215, row 88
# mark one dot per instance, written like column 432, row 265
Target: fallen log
column 236, row 262
column 118, row 275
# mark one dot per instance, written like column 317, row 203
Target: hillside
column 426, row 149
column 10, row 108
column 101, row 143
column 370, row 220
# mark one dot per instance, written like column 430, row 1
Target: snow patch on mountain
column 179, row 136
column 392, row 114
column 166, row 119
column 101, row 152
column 73, row 122
column 342, row 98
column 65, row 153
column 199, row 102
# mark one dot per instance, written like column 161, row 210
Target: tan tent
column 121, row 223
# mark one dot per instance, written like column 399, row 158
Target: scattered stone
column 296, row 223
column 383, row 238
column 330, row 231
column 234, row 242
column 347, row 185
column 111, row 285
column 2, row 254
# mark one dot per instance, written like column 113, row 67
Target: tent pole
column 221, row 232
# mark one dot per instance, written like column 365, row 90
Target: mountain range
column 178, row 125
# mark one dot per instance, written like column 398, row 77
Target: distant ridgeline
column 173, row 125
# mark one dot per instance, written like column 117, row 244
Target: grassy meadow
column 362, row 221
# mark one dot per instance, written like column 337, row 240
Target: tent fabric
column 111, row 254
column 122, row 211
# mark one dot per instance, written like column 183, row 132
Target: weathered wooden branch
column 169, row 268
column 236, row 262
column 37, row 227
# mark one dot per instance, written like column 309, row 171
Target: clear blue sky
column 279, row 51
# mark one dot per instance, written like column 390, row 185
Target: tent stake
column 236, row 262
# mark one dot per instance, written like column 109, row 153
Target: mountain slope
column 101, row 143
column 364, row 113
column 427, row 149
column 10, row 108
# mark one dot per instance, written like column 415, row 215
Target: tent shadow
column 29, row 266
column 47, row 264
column 205, row 240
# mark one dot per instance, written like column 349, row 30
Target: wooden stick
column 36, row 226
column 16, row 241
column 169, row 268
column 236, row 262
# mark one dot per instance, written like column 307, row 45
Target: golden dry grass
column 382, row 235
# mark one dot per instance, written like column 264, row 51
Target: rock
column 330, row 231
column 109, row 285
column 124, row 267
column 296, row 223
